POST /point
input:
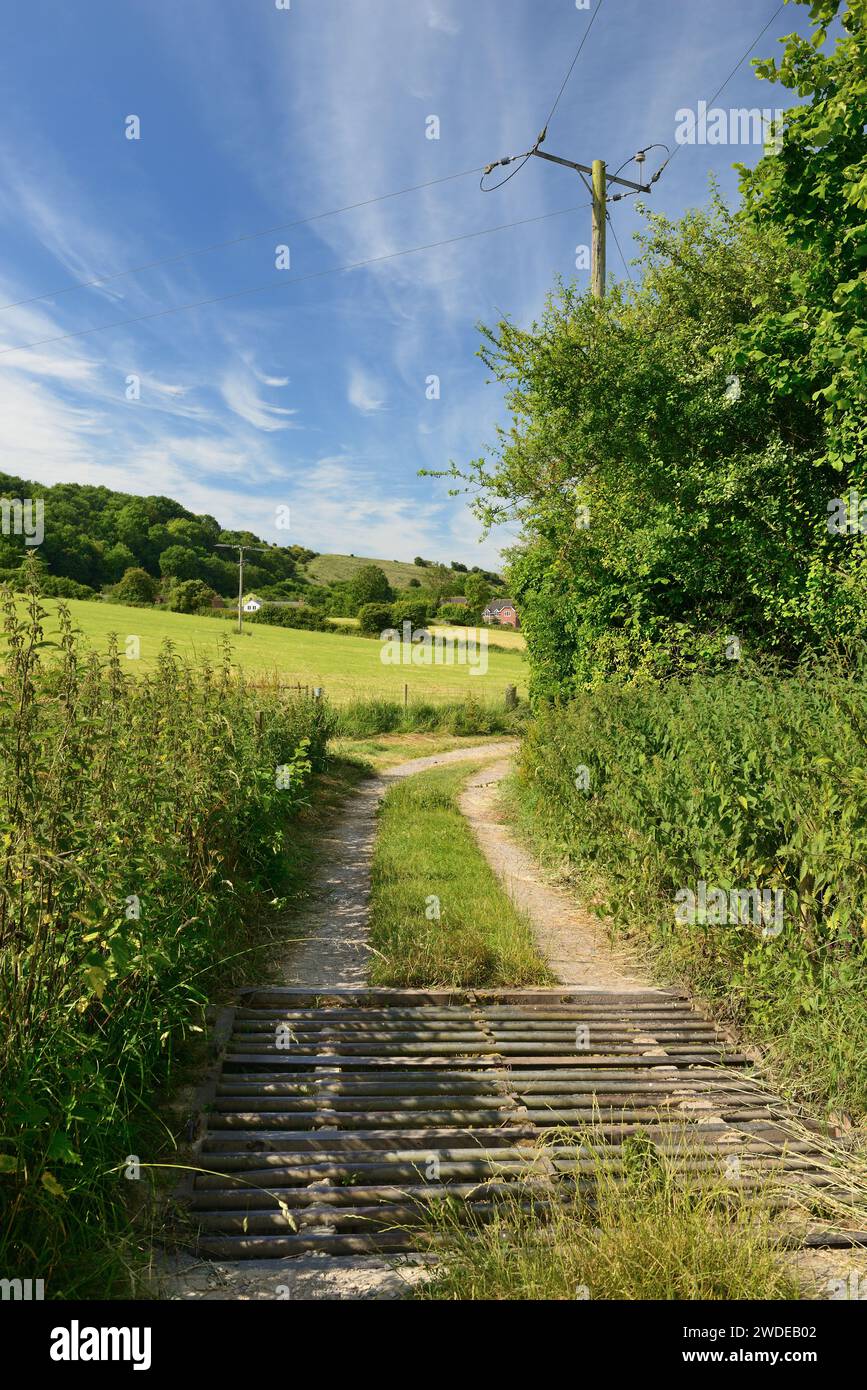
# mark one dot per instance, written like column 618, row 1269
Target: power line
column 297, row 222
column 619, row 248
column 238, row 240
column 524, row 157
column 295, row 280
column 334, row 212
column 777, row 12
column 720, row 90
column 574, row 61
column 669, row 155
column 493, row 188
column 242, row 550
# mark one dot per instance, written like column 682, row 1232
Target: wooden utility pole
column 240, row 587
column 262, row 549
column 599, row 190
column 600, row 213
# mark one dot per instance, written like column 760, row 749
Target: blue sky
column 314, row 394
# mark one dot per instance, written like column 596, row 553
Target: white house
column 252, row 605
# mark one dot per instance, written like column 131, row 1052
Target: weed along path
column 338, row 1116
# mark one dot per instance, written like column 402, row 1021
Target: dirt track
column 333, row 950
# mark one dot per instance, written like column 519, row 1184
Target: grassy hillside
column 345, row 666
column 94, row 535
column 335, row 569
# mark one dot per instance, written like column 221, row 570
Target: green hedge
column 279, row 615
column 366, row 718
column 740, row 781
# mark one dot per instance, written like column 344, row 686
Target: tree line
column 680, row 454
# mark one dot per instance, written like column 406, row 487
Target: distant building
column 501, row 611
column 458, row 600
column 252, row 605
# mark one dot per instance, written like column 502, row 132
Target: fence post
column 511, row 697
column 405, row 694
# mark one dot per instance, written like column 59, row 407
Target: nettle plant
column 139, row 821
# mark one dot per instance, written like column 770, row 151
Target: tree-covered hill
column 93, row 536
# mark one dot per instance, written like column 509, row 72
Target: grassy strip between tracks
column 438, row 914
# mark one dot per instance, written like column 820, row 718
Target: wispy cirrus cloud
column 440, row 17
column 241, row 397
column 364, row 392
column 252, row 118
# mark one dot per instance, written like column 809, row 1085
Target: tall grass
column 139, row 821
column 742, row 781
column 636, row 1230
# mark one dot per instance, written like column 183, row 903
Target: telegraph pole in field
column 222, row 545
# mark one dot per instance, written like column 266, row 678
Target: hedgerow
column 141, row 822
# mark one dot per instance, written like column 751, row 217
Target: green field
column 334, row 569
column 503, row 637
column 344, row 666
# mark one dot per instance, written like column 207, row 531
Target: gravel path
column 333, row 950
column 573, row 940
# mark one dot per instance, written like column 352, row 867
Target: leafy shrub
column 125, row 881
column 453, row 613
column 741, row 781
column 374, row 618
column 366, row 718
column 411, row 610
column 190, row 596
column 370, row 585
column 56, row 586
column 137, row 588
column 276, row 615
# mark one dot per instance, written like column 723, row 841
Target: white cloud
column 364, row 392
column 241, row 397
column 36, row 190
column 35, row 426
column 439, row 18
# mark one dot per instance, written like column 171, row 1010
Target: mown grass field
column 505, row 637
column 345, row 666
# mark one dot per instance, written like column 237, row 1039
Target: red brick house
column 502, row 611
